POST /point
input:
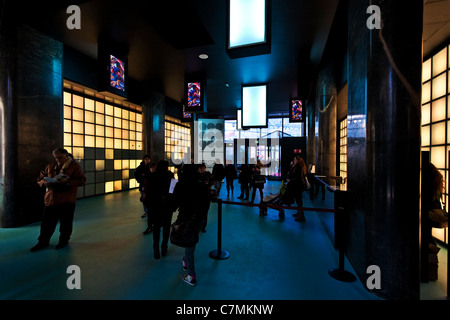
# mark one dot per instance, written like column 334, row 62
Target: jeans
column 189, row 260
column 218, row 186
column 245, row 190
column 230, row 182
column 260, row 188
column 298, row 196
column 143, row 203
column 64, row 213
column 164, row 221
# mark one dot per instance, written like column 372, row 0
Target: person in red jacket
column 61, row 180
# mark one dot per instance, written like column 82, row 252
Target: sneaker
column 189, row 279
column 185, row 268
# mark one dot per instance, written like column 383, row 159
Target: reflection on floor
column 270, row 258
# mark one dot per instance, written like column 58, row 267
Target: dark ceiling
column 165, row 38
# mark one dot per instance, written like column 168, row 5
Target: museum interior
column 360, row 90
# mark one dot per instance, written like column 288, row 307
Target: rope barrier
column 277, row 206
column 337, row 273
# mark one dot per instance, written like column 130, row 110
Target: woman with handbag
column 158, row 197
column 190, row 219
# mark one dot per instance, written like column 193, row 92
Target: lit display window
column 343, row 149
column 436, row 117
column 177, row 142
column 105, row 136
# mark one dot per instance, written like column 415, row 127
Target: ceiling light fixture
column 203, row 56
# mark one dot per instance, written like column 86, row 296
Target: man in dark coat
column 140, row 175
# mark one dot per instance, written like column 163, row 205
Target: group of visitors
column 250, row 177
column 191, row 196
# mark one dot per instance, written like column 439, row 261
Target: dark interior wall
column 7, row 124
column 383, row 137
column 384, row 145
column 323, row 102
column 84, row 70
column 34, row 126
column 31, row 77
column 80, row 68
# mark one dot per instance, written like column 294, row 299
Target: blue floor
column 270, row 259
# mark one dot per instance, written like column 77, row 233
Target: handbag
column 439, row 217
column 183, row 233
column 259, row 179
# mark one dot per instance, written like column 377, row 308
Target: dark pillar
column 7, row 124
column 154, row 115
column 31, row 95
column 384, row 144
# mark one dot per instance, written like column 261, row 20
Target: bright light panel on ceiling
column 239, row 119
column 247, row 22
column 254, row 106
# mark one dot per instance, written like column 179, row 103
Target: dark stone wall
column 368, row 80
column 394, row 136
column 384, row 144
column 34, row 111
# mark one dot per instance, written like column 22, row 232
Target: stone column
column 384, row 85
column 31, row 95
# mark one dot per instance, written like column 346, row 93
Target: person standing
column 157, row 194
column 258, row 181
column 140, row 175
column 230, row 175
column 218, row 173
column 435, row 185
column 147, row 205
column 187, row 189
column 206, row 180
column 297, row 184
column 245, row 176
column 61, row 180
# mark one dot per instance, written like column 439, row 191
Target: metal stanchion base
column 342, row 275
column 222, row 255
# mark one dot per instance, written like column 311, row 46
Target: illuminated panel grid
column 343, row 149
column 105, row 137
column 177, row 142
column 436, row 117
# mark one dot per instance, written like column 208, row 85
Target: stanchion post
column 219, row 254
column 341, row 233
